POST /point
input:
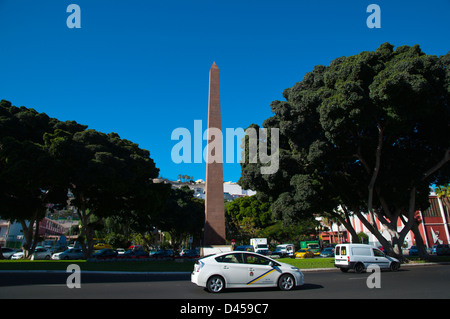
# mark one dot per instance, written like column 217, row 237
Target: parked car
column 304, row 253
column 132, row 253
column 413, row 251
column 17, row 255
column 447, row 249
column 193, row 253
column 239, row 269
column 164, row 253
column 71, row 253
column 440, row 250
column 327, row 252
column 360, row 256
column 136, row 247
column 39, row 253
column 99, row 246
column 8, row 252
column 105, row 253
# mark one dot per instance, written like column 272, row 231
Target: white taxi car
column 238, row 269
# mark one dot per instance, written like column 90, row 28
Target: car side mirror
column 271, row 264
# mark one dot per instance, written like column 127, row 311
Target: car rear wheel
column 286, row 282
column 215, row 284
column 359, row 268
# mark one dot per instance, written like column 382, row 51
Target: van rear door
column 341, row 256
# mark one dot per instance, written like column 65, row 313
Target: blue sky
column 140, row 68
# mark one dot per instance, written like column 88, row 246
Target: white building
column 231, row 190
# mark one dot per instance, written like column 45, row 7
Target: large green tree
column 41, row 158
column 246, row 217
column 251, row 216
column 29, row 176
column 183, row 215
column 106, row 174
column 367, row 134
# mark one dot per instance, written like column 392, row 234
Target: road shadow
column 306, row 286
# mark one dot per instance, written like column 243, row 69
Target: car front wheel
column 395, row 266
column 286, row 282
column 215, row 284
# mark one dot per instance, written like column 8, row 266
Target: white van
column 360, row 256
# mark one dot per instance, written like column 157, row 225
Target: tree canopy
column 368, row 133
column 29, row 179
column 183, row 215
column 250, row 216
column 42, row 158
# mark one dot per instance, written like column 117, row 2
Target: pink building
column 434, row 226
column 48, row 227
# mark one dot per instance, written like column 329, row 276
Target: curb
column 99, row 272
column 402, row 265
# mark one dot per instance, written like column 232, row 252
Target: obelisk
column 214, row 231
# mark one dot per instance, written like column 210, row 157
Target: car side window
column 230, row 258
column 255, row 260
column 377, row 253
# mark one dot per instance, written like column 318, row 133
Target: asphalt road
column 422, row 282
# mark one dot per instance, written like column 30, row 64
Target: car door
column 260, row 272
column 341, row 256
column 233, row 270
column 380, row 258
column 72, row 253
column 78, row 254
column 39, row 253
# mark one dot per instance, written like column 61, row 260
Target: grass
column 309, row 263
column 141, row 266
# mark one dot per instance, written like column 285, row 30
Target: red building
column 434, row 226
